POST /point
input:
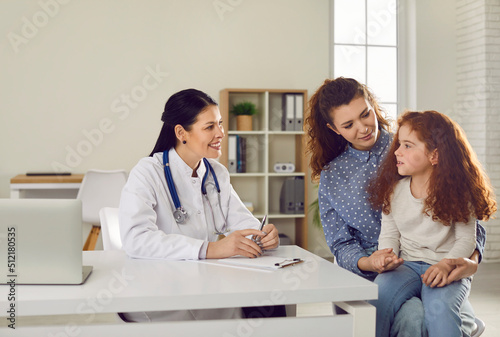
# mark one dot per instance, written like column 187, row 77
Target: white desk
column 45, row 186
column 120, row 284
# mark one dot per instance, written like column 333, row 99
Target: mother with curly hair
column 348, row 140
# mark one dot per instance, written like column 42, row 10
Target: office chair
column 110, row 229
column 111, row 239
column 99, row 189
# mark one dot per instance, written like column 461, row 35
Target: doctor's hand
column 269, row 237
column 236, row 243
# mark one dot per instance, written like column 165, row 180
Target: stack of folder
column 293, row 112
column 292, row 196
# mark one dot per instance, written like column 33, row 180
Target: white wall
column 478, row 74
column 436, row 55
column 76, row 84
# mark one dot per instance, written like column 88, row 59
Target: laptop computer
column 41, row 242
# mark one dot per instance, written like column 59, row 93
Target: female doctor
column 178, row 203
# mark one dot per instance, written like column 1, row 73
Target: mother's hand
column 462, row 267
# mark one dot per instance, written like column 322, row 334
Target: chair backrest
column 110, row 229
column 100, row 189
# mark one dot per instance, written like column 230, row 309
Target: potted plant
column 244, row 112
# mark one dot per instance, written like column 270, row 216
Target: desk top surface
column 46, row 179
column 121, row 284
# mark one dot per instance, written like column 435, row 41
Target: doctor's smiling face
column 203, row 139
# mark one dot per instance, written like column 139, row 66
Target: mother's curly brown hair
column 458, row 187
column 323, row 144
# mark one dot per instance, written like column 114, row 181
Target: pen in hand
column 255, row 238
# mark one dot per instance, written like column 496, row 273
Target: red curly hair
column 458, row 187
column 323, row 144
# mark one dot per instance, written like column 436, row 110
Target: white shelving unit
column 266, row 145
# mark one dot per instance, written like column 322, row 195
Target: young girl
column 431, row 189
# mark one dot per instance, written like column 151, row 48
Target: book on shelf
column 236, row 154
column 241, row 155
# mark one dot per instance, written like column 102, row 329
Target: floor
column 485, row 298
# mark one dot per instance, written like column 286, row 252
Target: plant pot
column 244, row 122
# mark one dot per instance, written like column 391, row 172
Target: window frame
column 404, row 74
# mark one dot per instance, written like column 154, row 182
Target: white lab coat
column 147, row 226
column 148, row 229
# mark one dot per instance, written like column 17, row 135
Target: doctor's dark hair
column 181, row 108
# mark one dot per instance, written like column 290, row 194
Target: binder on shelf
column 299, row 112
column 292, row 196
column 232, row 158
column 287, row 197
column 287, row 121
column 299, row 195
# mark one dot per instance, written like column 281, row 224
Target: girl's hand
column 437, row 275
column 235, row 243
column 380, row 261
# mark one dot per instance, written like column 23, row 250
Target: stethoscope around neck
column 180, row 214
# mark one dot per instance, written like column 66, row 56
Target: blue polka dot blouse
column 350, row 224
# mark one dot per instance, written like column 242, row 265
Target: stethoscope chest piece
column 180, row 215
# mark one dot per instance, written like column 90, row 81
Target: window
column 364, row 43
